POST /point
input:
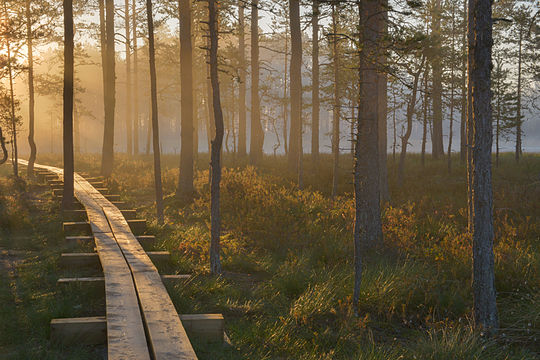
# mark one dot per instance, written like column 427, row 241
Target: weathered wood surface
column 125, row 263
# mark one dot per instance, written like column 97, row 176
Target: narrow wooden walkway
column 141, row 320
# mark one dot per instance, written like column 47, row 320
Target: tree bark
column 295, row 135
column 242, row 126
column 129, row 120
column 136, row 123
column 337, row 102
column 383, row 109
column 367, row 226
column 107, row 156
column 518, row 100
column 463, row 129
column 155, row 124
column 31, row 97
column 185, row 188
column 425, row 120
column 285, row 99
column 315, row 87
column 484, row 294
column 217, row 143
column 68, row 197
column 437, row 138
column 257, row 134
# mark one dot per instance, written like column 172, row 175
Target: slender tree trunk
column 469, row 127
column 31, row 100
column 518, row 101
column 463, row 130
column 395, row 132
column 425, row 120
column 107, row 156
column 484, row 294
column 367, row 226
column 437, row 138
column 215, row 263
column 410, row 113
column 257, row 134
column 337, row 102
column 452, row 82
column 499, row 95
column 315, row 87
column 242, row 126
column 129, row 120
column 136, row 122
column 383, row 109
column 185, row 181
column 155, row 124
column 68, row 197
column 12, row 105
column 285, row 99
column 295, row 135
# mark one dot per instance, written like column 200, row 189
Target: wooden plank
column 112, row 197
column 93, row 330
column 125, row 331
column 92, row 259
column 80, row 331
column 166, row 335
column 76, row 227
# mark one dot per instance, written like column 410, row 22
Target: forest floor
column 287, row 256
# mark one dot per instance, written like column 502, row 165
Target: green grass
column 286, row 292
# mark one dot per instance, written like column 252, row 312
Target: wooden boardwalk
column 141, row 320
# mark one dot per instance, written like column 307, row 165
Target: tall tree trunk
column 383, row 110
column 242, row 126
column 68, row 198
column 136, row 122
column 518, row 100
column 484, row 294
column 217, row 143
column 437, row 138
column 15, row 152
column 425, row 120
column 185, row 181
column 31, row 100
column 463, row 129
column 410, row 113
column 129, row 120
column 470, row 124
column 295, row 135
column 155, row 124
column 285, row 99
column 107, row 156
column 337, row 102
column 257, row 134
column 315, row 86
column 367, row 226
column 452, row 85
column 394, row 143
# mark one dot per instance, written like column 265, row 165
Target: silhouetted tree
column 217, row 143
column 315, row 85
column 107, row 155
column 185, row 180
column 295, row 136
column 67, row 199
column 257, row 134
column 480, row 44
column 242, row 128
column 155, row 123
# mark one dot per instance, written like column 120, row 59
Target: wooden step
column 92, row 259
column 144, row 240
column 112, row 197
column 137, row 226
column 80, row 214
column 120, row 205
column 93, row 330
column 100, row 280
